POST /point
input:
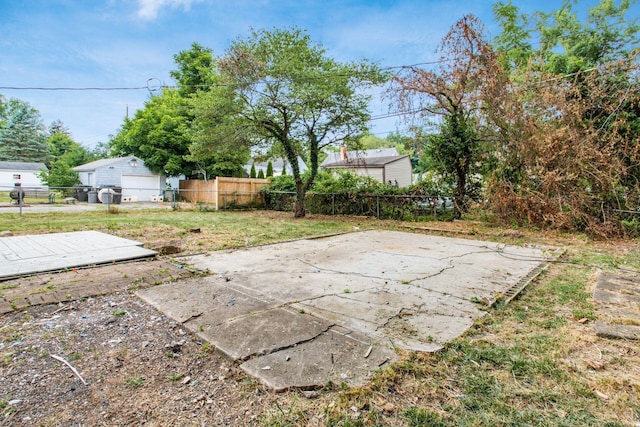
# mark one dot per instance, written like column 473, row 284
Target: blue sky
column 124, row 43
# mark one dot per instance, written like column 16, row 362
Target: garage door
column 142, row 187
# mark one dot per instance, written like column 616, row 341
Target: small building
column 23, row 173
column 336, row 156
column 129, row 173
column 393, row 169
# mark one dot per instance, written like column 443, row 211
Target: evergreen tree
column 269, row 169
column 22, row 138
column 260, row 174
column 252, row 174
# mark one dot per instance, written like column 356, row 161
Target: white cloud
column 149, row 9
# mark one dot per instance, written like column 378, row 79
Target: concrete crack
column 288, row 346
column 346, row 273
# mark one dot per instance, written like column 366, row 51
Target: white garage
column 137, row 182
column 141, row 187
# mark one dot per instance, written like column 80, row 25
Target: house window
column 16, row 176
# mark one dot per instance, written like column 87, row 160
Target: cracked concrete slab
column 38, row 253
column 306, row 312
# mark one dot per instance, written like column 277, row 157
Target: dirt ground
column 134, row 366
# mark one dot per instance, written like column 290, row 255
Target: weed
column 135, row 381
column 423, row 417
column 6, row 409
column 175, row 377
column 119, row 312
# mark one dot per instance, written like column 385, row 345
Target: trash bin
column 81, row 192
column 115, row 194
column 92, row 196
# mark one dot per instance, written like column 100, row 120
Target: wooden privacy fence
column 223, row 192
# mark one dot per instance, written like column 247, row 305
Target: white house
column 336, row 156
column 128, row 173
column 390, row 169
column 24, row 173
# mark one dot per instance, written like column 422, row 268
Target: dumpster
column 92, row 196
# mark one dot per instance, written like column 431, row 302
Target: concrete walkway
column 308, row 312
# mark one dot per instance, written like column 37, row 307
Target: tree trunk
column 460, row 193
column 299, row 211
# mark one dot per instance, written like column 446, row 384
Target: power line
column 152, row 88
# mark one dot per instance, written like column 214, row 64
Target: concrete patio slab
column 306, row 312
column 617, row 297
column 32, row 254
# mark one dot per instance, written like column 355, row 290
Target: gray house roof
column 22, row 166
column 334, row 157
column 98, row 164
column 372, row 162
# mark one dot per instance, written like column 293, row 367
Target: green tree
column 252, row 174
column 454, row 92
column 63, row 147
column 164, row 133
column 195, row 70
column 22, row 136
column 60, row 175
column 269, row 169
column 566, row 44
column 260, row 174
column 287, row 92
column 158, row 134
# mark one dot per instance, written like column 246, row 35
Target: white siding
column 27, row 179
column 400, row 171
column 375, row 173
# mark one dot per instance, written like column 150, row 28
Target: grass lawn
column 533, row 362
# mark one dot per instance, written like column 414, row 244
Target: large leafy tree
column 22, row 133
column 453, row 92
column 164, row 134
column 284, row 90
column 158, row 134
